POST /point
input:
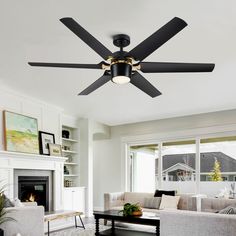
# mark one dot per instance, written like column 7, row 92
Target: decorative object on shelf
column 66, row 148
column 54, row 149
column 44, row 139
column 70, row 159
column 20, row 133
column 68, row 183
column 132, row 209
column 65, row 134
column 66, row 171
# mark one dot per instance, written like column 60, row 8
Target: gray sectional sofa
column 204, row 223
column 29, row 221
column 186, row 220
column 116, row 201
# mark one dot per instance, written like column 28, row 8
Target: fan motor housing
column 121, row 69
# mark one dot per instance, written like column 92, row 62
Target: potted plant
column 132, row 209
column 3, row 213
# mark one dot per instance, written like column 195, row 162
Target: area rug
column 89, row 231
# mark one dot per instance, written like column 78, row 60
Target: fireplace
column 34, row 189
column 34, row 186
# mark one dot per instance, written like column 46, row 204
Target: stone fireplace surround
column 12, row 163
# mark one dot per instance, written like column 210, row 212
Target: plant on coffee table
column 132, row 209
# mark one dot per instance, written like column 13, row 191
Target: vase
column 1, row 232
column 137, row 213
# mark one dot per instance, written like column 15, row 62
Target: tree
column 216, row 172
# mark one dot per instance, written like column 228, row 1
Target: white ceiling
column 30, row 30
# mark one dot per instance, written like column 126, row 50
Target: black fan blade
column 86, row 37
column 140, row 82
column 67, row 65
column 157, row 39
column 170, row 67
column 98, row 83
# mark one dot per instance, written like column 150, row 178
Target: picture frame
column 20, row 133
column 44, row 139
column 55, row 149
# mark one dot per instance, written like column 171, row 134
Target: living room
column 98, row 148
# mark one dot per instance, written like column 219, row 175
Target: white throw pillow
column 169, row 202
column 18, row 203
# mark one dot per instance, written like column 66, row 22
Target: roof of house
column 179, row 166
column 227, row 163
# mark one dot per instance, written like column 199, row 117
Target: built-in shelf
column 71, row 163
column 68, row 151
column 70, row 140
column 71, row 175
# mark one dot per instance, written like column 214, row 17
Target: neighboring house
column 181, row 167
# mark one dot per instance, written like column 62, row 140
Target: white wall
column 108, row 156
column 48, row 116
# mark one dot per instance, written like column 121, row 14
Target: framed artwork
column 44, row 140
column 54, row 149
column 20, row 133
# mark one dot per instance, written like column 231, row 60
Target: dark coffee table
column 113, row 215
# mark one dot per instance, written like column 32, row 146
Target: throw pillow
column 152, row 202
column 18, row 203
column 158, row 193
column 7, row 202
column 231, row 210
column 169, row 202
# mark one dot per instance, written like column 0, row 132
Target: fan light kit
column 122, row 67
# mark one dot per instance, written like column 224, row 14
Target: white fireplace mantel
column 9, row 161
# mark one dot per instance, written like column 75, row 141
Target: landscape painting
column 21, row 133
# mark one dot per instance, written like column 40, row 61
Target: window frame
column 161, row 138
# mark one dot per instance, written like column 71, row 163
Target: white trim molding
column 10, row 161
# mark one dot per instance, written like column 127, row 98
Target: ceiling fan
column 123, row 67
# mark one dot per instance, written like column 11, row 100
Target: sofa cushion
column 152, row 202
column 158, row 193
column 230, row 210
column 135, row 197
column 216, row 204
column 187, row 202
column 169, row 202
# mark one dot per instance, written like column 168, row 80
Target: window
column 178, row 159
column 217, row 169
column 178, row 165
column 218, row 164
column 143, row 168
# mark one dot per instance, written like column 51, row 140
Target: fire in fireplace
column 34, row 189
